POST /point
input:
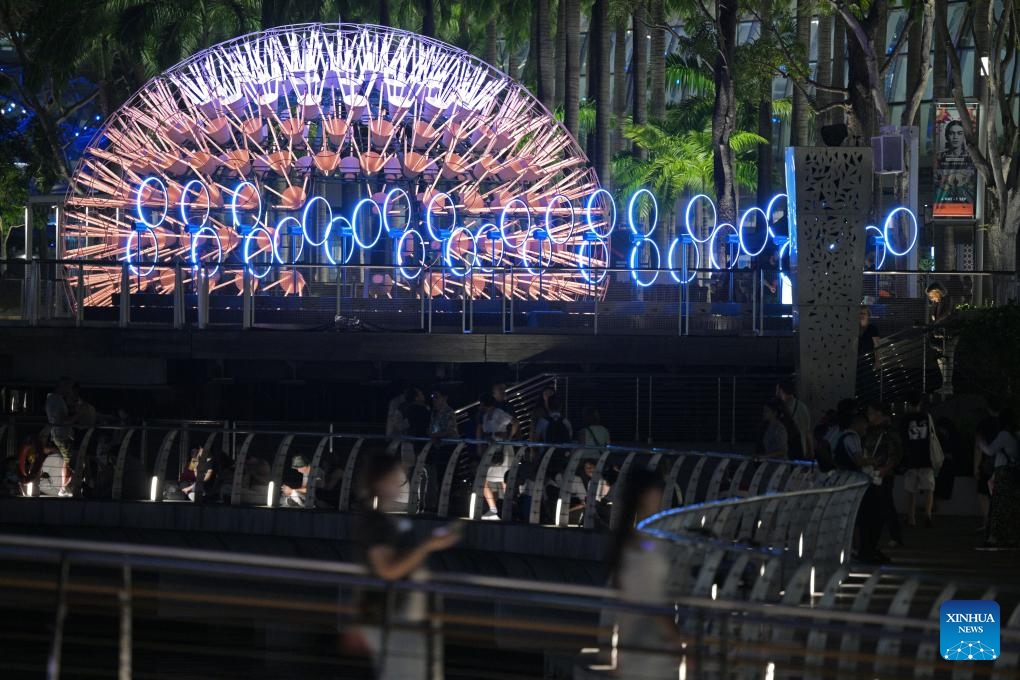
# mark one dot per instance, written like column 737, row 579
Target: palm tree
column 571, row 75
column 599, row 84
column 620, row 78
column 801, row 106
column 543, row 51
column 657, row 29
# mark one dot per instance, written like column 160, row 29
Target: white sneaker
column 65, row 492
column 491, row 515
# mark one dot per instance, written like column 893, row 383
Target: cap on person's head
column 298, row 462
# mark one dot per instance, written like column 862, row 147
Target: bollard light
column 30, row 489
column 471, row 505
column 153, row 487
column 559, row 508
column 269, row 495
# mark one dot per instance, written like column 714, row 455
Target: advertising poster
column 955, row 177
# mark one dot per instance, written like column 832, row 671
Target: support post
column 125, row 296
column 247, row 311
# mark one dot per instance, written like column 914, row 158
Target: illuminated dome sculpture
column 338, row 144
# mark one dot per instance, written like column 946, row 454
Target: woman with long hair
column 639, row 568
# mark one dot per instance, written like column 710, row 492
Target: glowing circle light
column 355, row 214
column 592, row 203
column 194, row 247
column 559, row 198
column 687, row 218
column 388, row 202
column 488, row 235
column 633, row 221
column 139, row 210
column 543, row 262
column 304, row 221
column 346, row 233
column 879, row 238
column 433, row 234
column 448, row 254
column 137, row 236
column 740, row 231
column 406, row 237
column 889, row 224
column 248, row 255
column 503, row 222
column 287, row 227
column 680, row 243
column 235, row 195
column 185, row 216
column 713, row 247
column 586, row 253
column 635, row 253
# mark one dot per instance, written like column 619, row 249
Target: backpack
column 841, row 455
column 556, row 431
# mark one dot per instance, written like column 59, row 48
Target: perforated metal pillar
column 830, row 197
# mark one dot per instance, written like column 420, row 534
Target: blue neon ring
column 782, row 249
column 184, row 196
column 275, row 237
column 233, row 205
column 386, row 208
column 740, row 232
column 502, row 222
column 194, row 248
column 428, row 214
column 630, row 214
column 448, row 255
column 354, row 224
column 138, row 202
column 672, row 268
column 548, row 215
column 483, row 232
column 304, row 221
column 587, row 212
column 343, row 236
column 634, row 252
column 768, row 211
column 888, row 223
column 687, row 218
column 524, row 254
column 400, row 254
column 712, row 262
column 136, row 234
column 879, row 245
column 580, row 261
column 247, row 254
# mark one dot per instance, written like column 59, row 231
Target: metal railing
column 386, row 297
column 447, row 478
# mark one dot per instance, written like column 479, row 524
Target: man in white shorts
column 496, row 425
column 919, row 478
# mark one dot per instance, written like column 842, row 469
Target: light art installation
column 338, row 144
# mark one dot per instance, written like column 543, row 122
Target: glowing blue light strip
column 194, row 248
column 581, row 256
column 233, row 205
column 184, row 203
column 247, row 254
column 670, row 260
column 410, row 233
column 428, row 214
column 448, row 252
column 386, row 208
column 137, row 235
column 548, row 218
column 889, row 223
column 687, row 219
column 502, row 222
column 304, row 221
column 588, row 213
column 138, row 202
column 740, row 232
column 354, row 224
column 631, row 222
column 343, row 239
column 712, row 261
column 281, row 228
column 879, row 245
column 632, row 262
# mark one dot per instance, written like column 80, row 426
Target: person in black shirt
column 394, row 618
column 940, row 308
column 867, row 333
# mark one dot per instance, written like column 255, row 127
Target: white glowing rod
column 248, row 129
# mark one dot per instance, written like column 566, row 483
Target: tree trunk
column 598, row 69
column 801, row 108
column 428, row 20
column 559, row 73
column 867, row 115
column 384, row 12
column 657, row 11
column 639, row 69
column 765, row 127
column 940, row 75
column 724, row 116
column 572, row 72
column 492, row 43
column 823, row 73
column 543, row 52
column 838, row 66
column 620, row 80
